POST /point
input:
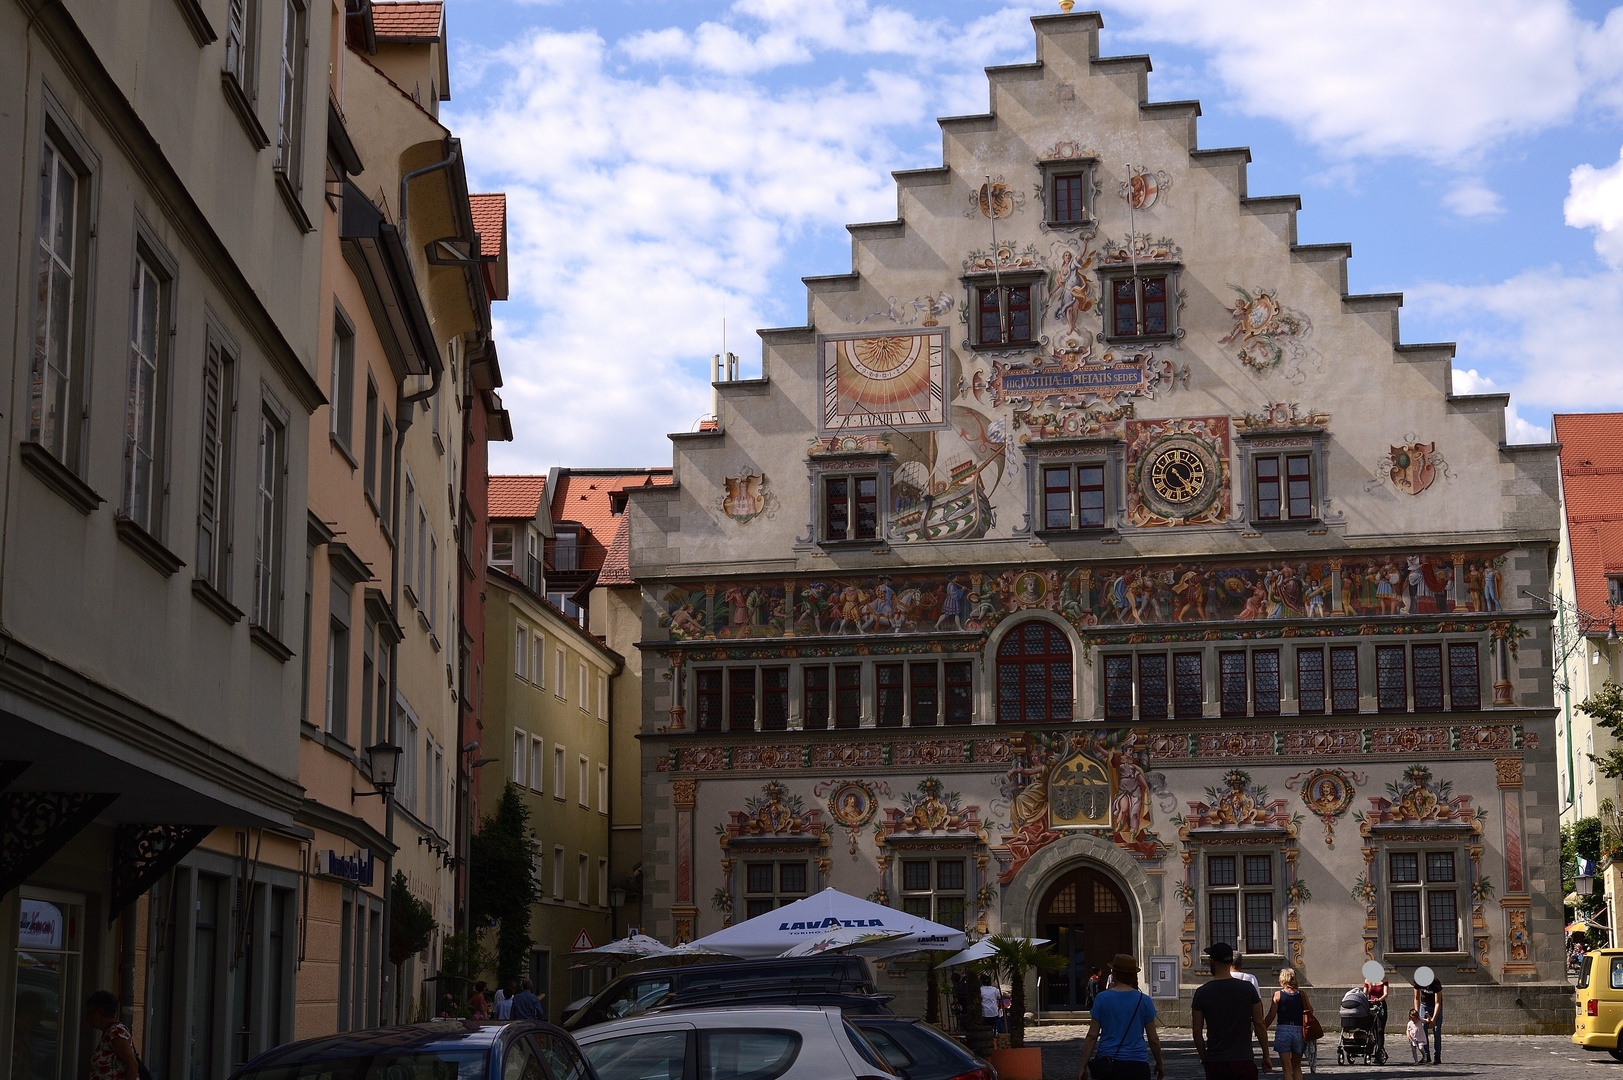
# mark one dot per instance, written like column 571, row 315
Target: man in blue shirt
column 527, row 1005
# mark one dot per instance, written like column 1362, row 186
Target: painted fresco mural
column 1143, row 189
column 891, row 381
column 1271, row 337
column 1312, row 588
column 1329, row 794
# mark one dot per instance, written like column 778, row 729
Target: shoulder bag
column 1312, row 1030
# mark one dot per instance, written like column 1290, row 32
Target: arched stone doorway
column 1087, row 916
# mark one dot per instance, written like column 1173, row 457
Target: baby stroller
column 1360, row 1032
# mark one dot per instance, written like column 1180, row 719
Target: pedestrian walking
column 1428, row 1001
column 478, row 1007
column 504, row 1000
column 1223, row 1015
column 991, row 1004
column 114, row 1055
column 1376, row 993
column 1122, row 1035
column 527, row 1005
column 1417, row 1038
column 1288, row 1015
column 1239, row 963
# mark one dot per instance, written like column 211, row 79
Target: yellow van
column 1600, row 1002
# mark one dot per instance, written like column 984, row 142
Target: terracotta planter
column 1025, row 1063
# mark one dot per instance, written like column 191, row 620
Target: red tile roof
column 583, row 497
column 414, row 20
column 1592, row 497
column 516, row 496
column 616, row 568
column 489, row 221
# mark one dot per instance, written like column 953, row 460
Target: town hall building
column 1092, row 565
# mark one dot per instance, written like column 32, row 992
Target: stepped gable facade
column 1093, row 565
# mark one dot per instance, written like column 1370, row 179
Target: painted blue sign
column 1059, row 382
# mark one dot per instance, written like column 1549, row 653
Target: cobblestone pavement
column 1549, row 1057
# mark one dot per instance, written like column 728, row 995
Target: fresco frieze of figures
column 1087, row 596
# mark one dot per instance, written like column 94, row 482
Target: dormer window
column 566, row 549
column 501, row 546
column 1614, row 590
column 617, row 503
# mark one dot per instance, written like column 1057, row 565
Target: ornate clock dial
column 1178, row 475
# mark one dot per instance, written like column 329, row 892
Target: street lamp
column 385, row 761
column 1585, row 878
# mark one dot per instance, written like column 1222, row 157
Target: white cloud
column 644, row 205
column 1517, row 430
column 1544, row 335
column 1472, row 198
column 1430, row 78
column 1595, row 201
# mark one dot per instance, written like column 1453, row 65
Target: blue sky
column 671, row 163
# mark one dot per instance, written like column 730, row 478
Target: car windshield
column 425, row 1065
column 866, row 1049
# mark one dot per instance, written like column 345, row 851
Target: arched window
column 1034, row 675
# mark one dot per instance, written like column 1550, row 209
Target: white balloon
column 1374, row 971
column 1424, row 976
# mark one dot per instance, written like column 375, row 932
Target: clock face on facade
column 1180, row 477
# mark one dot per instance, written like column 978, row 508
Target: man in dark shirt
column 1231, row 1009
column 527, row 1006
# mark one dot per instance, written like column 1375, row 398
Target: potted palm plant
column 1014, row 958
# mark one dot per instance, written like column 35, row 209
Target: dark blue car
column 438, row 1050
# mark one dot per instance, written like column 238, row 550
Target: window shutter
column 208, row 495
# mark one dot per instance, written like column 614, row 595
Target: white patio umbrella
column 775, row 932
column 981, row 950
column 623, row 949
column 847, row 939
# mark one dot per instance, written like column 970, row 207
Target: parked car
column 639, row 991
column 438, row 1050
column 754, row 1043
column 1600, row 1002
column 920, row 1051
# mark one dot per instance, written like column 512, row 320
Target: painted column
column 789, row 608
column 1515, row 903
column 684, row 793
column 1456, row 585
column 1338, row 594
column 1501, row 664
column 679, row 710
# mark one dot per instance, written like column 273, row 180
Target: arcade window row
column 931, row 888
column 1035, row 682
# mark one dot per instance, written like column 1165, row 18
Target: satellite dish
column 1424, row 976
column 1374, row 971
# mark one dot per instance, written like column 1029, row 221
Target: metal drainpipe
column 405, row 405
column 450, row 160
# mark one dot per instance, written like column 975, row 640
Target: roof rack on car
column 748, row 995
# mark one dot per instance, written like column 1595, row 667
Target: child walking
column 1418, row 1050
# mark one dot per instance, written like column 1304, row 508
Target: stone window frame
column 852, row 464
column 1052, row 169
column 1004, row 279
column 1276, row 888
column 935, row 892
column 1110, row 453
column 1254, row 444
column 1389, row 840
column 1109, row 274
